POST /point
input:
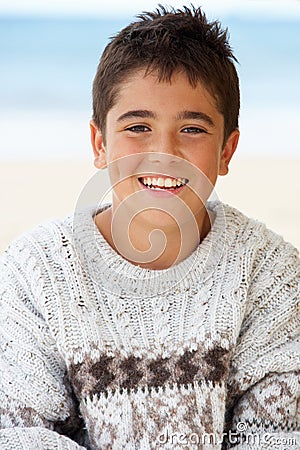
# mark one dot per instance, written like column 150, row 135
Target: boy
column 181, row 331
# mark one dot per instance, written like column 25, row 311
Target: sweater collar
column 120, row 277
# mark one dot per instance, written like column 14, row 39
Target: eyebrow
column 182, row 115
column 139, row 113
column 195, row 115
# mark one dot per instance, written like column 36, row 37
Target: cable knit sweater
column 98, row 353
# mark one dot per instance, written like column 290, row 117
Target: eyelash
column 193, row 130
column 138, row 129
column 143, row 129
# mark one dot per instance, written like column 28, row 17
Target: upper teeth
column 164, row 182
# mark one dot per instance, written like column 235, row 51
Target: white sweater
column 98, row 353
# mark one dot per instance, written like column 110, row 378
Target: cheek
column 212, row 173
column 120, row 147
column 208, row 166
column 205, row 160
column 124, row 165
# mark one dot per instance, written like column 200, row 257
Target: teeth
column 168, row 183
column 163, row 182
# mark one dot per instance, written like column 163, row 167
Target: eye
column 138, row 129
column 193, row 130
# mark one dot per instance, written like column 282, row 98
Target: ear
column 98, row 146
column 228, row 151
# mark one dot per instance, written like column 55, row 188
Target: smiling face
column 165, row 134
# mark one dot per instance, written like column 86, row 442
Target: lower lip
column 162, row 192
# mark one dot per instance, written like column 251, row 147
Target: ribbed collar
column 118, row 276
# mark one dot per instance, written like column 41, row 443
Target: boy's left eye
column 193, row 130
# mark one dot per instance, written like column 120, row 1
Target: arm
column 35, row 399
column 35, row 438
column 264, row 381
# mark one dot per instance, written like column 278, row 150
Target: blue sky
column 286, row 9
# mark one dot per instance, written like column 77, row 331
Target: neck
column 149, row 246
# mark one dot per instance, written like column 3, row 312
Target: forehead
column 142, row 88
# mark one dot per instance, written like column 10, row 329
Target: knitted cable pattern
column 98, row 353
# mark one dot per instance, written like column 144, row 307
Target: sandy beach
column 32, row 192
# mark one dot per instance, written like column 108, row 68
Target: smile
column 163, row 183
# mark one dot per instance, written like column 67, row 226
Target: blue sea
column 48, row 65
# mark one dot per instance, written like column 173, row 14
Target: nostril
column 164, row 157
column 154, row 157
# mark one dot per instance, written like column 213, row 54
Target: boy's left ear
column 228, row 151
column 98, row 146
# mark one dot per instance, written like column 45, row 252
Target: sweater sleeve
column 263, row 410
column 35, row 399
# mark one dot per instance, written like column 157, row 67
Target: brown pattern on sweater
column 109, row 374
column 206, row 417
column 143, row 419
column 27, row 417
column 277, row 393
column 269, row 405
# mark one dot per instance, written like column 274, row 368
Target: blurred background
column 49, row 54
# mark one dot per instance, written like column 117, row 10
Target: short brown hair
column 165, row 41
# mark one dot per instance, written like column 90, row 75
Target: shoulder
column 266, row 261
column 270, row 269
column 253, row 235
column 39, row 242
column 40, row 252
column 48, row 236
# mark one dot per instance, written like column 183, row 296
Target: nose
column 164, row 149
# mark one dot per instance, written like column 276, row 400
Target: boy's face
column 166, row 122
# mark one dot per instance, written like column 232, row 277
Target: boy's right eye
column 138, row 129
